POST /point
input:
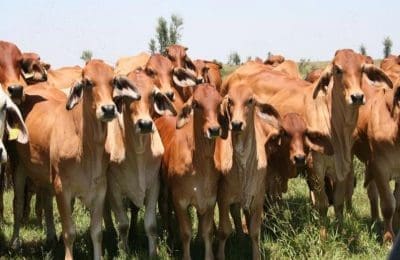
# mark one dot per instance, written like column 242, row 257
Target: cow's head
column 347, row 70
column 296, row 140
column 33, row 69
column 274, row 60
column 152, row 100
column 184, row 69
column 99, row 88
column 239, row 104
column 10, row 119
column 205, row 105
column 11, row 79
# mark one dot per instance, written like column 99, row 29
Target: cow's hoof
column 388, row 238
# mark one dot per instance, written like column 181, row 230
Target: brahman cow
column 66, row 149
column 10, row 116
column 125, row 65
column 314, row 75
column 208, row 72
column 33, row 69
column 12, row 65
column 188, row 167
column 136, row 150
column 242, row 159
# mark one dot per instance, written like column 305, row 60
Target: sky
column 310, row 29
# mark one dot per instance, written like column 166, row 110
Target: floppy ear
column 182, row 78
column 269, row 114
column 184, row 116
column 274, row 142
column 75, row 95
column 162, row 103
column 14, row 120
column 319, row 142
column 123, row 88
column 224, row 118
column 45, row 65
column 375, row 74
column 323, row 82
column 26, row 68
column 190, row 65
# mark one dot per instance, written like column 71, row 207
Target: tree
column 234, row 58
column 174, row 29
column 387, row 46
column 152, row 46
column 363, row 50
column 86, row 55
column 166, row 34
column 305, row 67
column 162, row 34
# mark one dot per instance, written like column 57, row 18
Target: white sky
column 314, row 29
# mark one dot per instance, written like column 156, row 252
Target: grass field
column 291, row 233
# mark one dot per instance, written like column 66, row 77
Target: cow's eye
column 230, row 102
column 195, row 104
column 250, row 101
column 338, row 70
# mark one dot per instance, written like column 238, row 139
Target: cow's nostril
column 237, row 125
column 300, row 159
column 170, row 95
column 357, row 99
column 214, row 131
column 145, row 126
column 15, row 91
column 108, row 110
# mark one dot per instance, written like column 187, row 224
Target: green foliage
column 387, row 46
column 166, row 34
column 305, row 66
column 289, row 231
column 234, row 58
column 363, row 50
column 86, row 55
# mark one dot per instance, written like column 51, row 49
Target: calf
column 66, row 149
column 243, row 161
column 188, row 165
column 136, row 150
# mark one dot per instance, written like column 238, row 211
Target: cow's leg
column 27, row 201
column 19, row 189
column 117, row 206
column 63, row 199
column 387, row 203
column 225, row 227
column 2, row 187
column 350, row 183
column 206, row 223
column 40, row 206
column 396, row 216
column 237, row 218
column 96, row 218
column 108, row 222
column 254, row 229
column 185, row 227
column 133, row 222
column 338, row 199
column 150, row 224
column 47, row 203
column 372, row 192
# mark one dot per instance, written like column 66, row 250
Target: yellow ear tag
column 14, row 132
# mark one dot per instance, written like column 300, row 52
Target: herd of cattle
column 164, row 130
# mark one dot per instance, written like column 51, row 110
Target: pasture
column 290, row 233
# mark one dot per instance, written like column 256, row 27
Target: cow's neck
column 343, row 123
column 91, row 131
column 203, row 148
column 244, row 145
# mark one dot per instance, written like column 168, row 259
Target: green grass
column 290, row 233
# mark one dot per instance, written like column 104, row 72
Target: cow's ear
column 185, row 114
column 45, row 65
column 124, row 88
column 319, row 142
column 26, row 68
column 15, row 120
column 323, row 82
column 162, row 104
column 182, row 78
column 224, row 117
column 274, row 142
column 75, row 95
column 269, row 114
column 190, row 65
column 375, row 74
